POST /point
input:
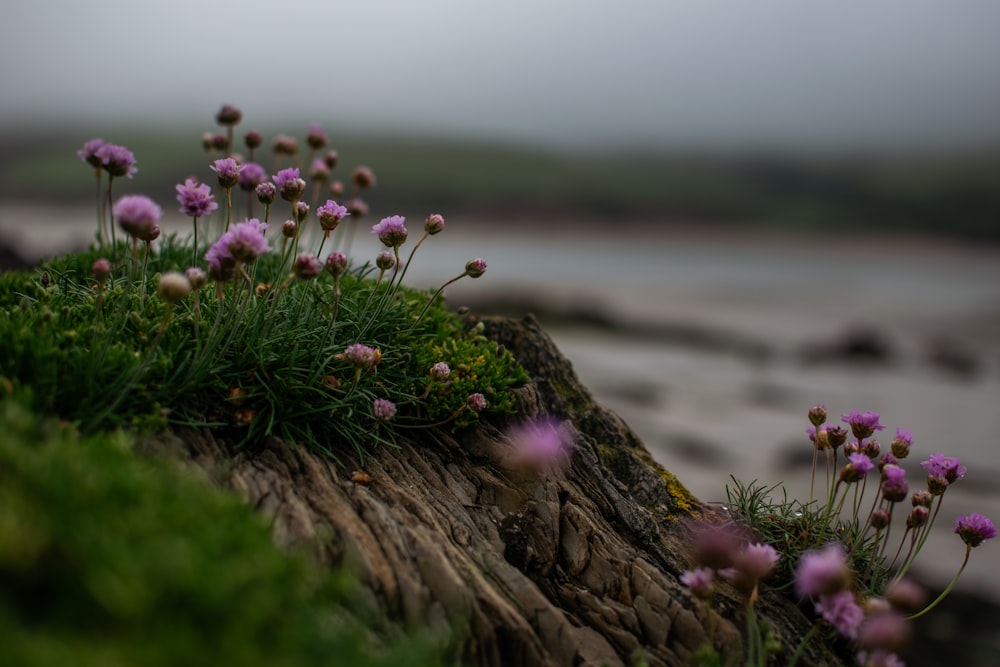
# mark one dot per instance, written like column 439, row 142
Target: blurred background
column 723, row 212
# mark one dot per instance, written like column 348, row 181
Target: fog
column 897, row 74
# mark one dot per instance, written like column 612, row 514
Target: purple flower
column 440, row 371
column 196, row 277
column 540, row 442
column 812, row 431
column 361, row 355
column 894, row 484
column 357, row 207
column 316, row 138
column 138, row 215
column 336, row 264
column 699, row 580
column 476, row 402
column 842, row 612
column 89, row 153
column 947, row 467
column 885, row 630
column 974, row 529
column 307, row 266
column 289, row 185
column 247, row 241
column 475, row 267
column 102, row 269
column 251, row 176
column 117, row 160
column 330, row 214
column 391, row 231
column 901, row 444
column 823, row 571
column 755, row 561
column 857, row 467
column 363, row 177
column 383, row 409
column 285, row 145
column 195, row 198
column 318, row 171
column 228, row 170
column 862, row 424
column 266, row 193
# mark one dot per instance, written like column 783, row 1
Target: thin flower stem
column 434, row 298
column 229, row 206
column 944, row 593
column 925, row 531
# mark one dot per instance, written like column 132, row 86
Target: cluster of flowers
column 229, row 258
column 878, row 625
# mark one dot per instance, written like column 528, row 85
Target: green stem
column 947, row 590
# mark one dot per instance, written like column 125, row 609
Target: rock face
column 576, row 567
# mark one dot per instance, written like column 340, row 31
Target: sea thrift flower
column 289, row 228
column 475, row 267
column 300, row 211
column 817, row 435
column 887, row 459
column 253, row 139
column 246, row 241
column 384, row 410
column 948, row 467
column 318, row 171
column 196, row 277
column 699, row 581
column 219, row 142
column 330, row 158
column 856, row 469
column 974, row 529
column 173, row 287
column 285, row 145
column 752, row 563
column 439, row 371
column 251, row 176
column 822, row 571
column 228, row 115
column 101, row 269
column 385, row 260
column 227, row 170
column 836, row 435
column 476, row 402
column 906, row 595
column 540, row 443
column 901, row 444
column 117, row 160
column 921, row 499
column 880, row 518
column 357, row 208
column 307, row 266
column 391, row 231
column 894, row 484
column 361, row 355
column 871, row 448
column 879, row 659
column 863, row 424
column 917, row 517
column 316, row 138
column 817, row 415
column 336, row 264
column 363, row 177
column 330, row 214
column 337, row 189
column 289, row 185
column 842, row 612
column 886, row 630
column 138, row 215
column 89, row 153
column 195, row 198
column 434, row 224
column 266, row 192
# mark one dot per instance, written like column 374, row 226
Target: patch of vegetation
column 107, row 558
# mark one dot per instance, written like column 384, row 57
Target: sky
column 831, row 75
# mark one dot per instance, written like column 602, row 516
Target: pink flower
column 138, row 215
column 227, row 170
column 251, row 176
column 862, row 424
column 842, row 612
column 117, row 160
column 947, row 467
column 974, row 529
column 336, row 264
column 822, row 571
column 195, row 198
column 289, row 185
column 699, row 580
column 384, row 410
column 475, row 267
column 307, row 266
column 361, row 355
column 540, row 443
column 476, row 402
column 89, row 153
column 330, row 214
column 246, row 240
column 391, row 231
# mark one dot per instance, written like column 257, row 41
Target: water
column 708, row 411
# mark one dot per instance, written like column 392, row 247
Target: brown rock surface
column 576, row 567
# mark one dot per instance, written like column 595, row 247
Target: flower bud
column 357, row 208
column 196, row 277
column 917, row 517
column 921, row 498
column 336, row 264
column 475, row 267
column 936, row 485
column 173, row 287
column 836, row 436
column 880, row 518
column 385, row 260
column 440, row 371
column 253, row 139
column 337, row 189
column 363, row 178
column 307, row 267
column 266, row 192
column 817, row 415
column 331, row 158
column 476, row 402
column 289, row 229
column 316, row 138
column 285, row 145
column 102, row 270
column 300, row 211
column 228, row 115
column 434, row 224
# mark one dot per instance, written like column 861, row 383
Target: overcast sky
column 658, row 72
